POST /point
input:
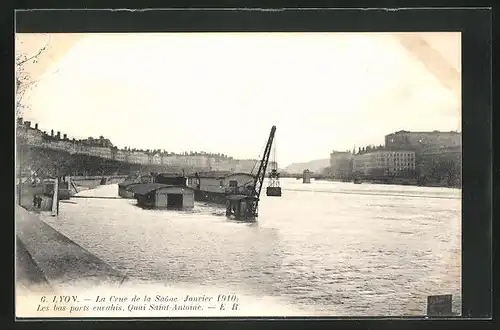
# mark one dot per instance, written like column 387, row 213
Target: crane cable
column 275, row 159
column 259, row 159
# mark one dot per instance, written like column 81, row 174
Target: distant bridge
column 299, row 176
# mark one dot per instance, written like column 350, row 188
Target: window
column 233, row 183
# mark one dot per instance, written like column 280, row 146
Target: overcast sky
column 223, row 92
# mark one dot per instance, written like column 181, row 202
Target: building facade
column 384, row 163
column 156, row 159
column 422, row 141
column 121, row 156
column 197, row 161
column 438, row 154
column 138, row 157
column 27, row 135
column 341, row 164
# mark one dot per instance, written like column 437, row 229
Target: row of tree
column 163, row 152
column 52, row 162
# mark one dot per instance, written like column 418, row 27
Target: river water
column 325, row 248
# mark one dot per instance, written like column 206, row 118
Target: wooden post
column 71, row 185
column 55, row 198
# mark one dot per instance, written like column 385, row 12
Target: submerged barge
column 213, row 187
column 163, row 196
column 126, row 188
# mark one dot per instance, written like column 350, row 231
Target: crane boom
column 244, row 205
column 261, row 174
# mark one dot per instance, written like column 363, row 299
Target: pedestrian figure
column 39, row 202
column 35, row 201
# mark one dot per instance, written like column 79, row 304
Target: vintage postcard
column 238, row 174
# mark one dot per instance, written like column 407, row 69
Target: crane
column 261, row 174
column 244, row 205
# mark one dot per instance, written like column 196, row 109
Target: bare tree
column 24, row 80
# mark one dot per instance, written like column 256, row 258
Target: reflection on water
column 325, row 248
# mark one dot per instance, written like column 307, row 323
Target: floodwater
column 325, row 248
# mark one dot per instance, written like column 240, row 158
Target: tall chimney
column 52, row 132
column 58, row 136
column 65, row 136
column 36, row 126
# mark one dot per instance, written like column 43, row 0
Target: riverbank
column 28, row 274
column 82, row 183
column 398, row 183
column 47, row 258
column 86, row 183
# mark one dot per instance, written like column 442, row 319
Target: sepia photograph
column 238, row 174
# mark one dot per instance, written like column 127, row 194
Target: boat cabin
column 241, row 207
column 217, row 182
column 171, row 179
column 162, row 196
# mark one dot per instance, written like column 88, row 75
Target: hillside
column 314, row 166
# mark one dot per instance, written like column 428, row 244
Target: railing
column 246, row 190
column 97, row 177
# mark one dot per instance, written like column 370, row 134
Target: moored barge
column 213, row 187
column 163, row 196
column 126, row 188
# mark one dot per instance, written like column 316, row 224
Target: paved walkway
column 28, row 274
column 47, row 256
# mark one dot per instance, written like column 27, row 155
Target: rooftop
column 170, row 175
column 375, row 151
column 145, row 188
column 127, row 183
column 428, row 132
column 219, row 174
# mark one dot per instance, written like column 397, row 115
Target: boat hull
column 210, row 197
